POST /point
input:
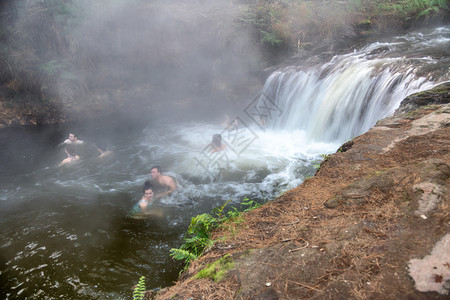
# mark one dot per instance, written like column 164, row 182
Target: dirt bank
column 351, row 231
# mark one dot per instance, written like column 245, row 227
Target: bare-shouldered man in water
column 72, row 140
column 165, row 184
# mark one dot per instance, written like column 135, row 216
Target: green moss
column 217, row 270
column 440, row 89
column 248, row 251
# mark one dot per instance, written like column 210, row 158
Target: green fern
column 202, row 224
column 429, row 11
column 218, row 211
column 441, row 3
column 180, row 254
column 408, row 9
column 139, row 290
column 198, row 236
column 251, row 204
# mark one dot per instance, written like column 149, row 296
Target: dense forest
column 63, row 58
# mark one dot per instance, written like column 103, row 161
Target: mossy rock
column 437, row 95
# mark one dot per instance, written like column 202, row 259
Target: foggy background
column 161, row 57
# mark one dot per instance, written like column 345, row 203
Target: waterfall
column 346, row 96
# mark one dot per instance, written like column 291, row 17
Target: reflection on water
column 66, row 232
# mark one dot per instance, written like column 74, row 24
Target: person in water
column 104, row 152
column 216, row 143
column 71, row 156
column 164, row 182
column 143, row 206
column 73, row 140
column 147, row 198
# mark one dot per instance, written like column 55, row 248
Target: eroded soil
column 348, row 232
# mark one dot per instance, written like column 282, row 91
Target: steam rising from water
column 165, row 55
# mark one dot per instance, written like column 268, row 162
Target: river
column 67, row 231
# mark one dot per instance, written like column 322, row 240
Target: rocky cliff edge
column 373, row 223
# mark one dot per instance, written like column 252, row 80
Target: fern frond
column 442, row 3
column 139, row 290
column 180, row 254
column 428, row 11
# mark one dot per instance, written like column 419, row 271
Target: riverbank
column 357, row 230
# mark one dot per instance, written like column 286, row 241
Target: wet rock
column 379, row 50
column 346, row 146
column 438, row 95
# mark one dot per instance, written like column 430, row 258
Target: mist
column 167, row 58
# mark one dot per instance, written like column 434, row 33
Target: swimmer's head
column 148, row 193
column 217, row 140
column 155, row 172
column 72, row 137
column 148, row 190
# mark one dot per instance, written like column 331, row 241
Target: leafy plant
column 218, row 211
column 196, row 240
column 198, row 235
column 180, row 254
column 267, row 21
column 408, row 9
column 251, row 204
column 139, row 290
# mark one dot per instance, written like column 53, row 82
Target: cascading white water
column 346, row 96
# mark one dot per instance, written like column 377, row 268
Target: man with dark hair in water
column 73, row 140
column 164, row 182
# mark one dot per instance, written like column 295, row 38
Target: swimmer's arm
column 66, row 142
column 167, row 193
column 63, row 163
column 172, row 187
